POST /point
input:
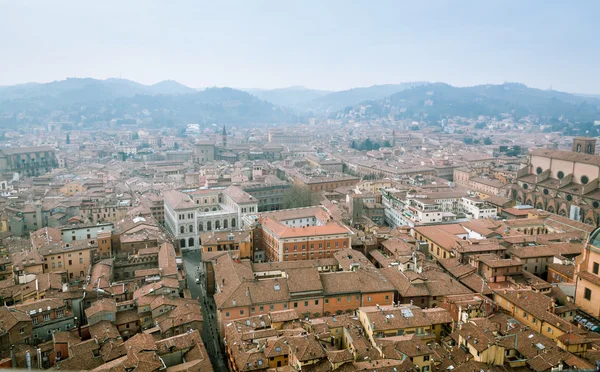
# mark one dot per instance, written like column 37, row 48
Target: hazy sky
column 319, row 44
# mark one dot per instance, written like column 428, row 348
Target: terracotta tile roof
column 476, row 283
column 238, row 195
column 152, row 288
column 112, row 349
column 281, row 231
column 306, row 348
column 567, row 156
column 82, row 357
column 567, row 270
column 107, row 305
column 284, row 315
column 383, row 365
column 440, row 237
column 178, row 200
column 349, row 259
column 432, row 283
column 22, row 260
column 9, row 318
column 304, row 280
column 52, row 303
column 399, row 347
column 394, row 318
column 285, row 265
column 127, row 316
column 589, row 277
column 180, row 342
column 65, row 338
column 49, row 281
column 167, row 260
column 103, row 331
column 531, row 251
column 494, row 261
column 455, row 267
column 398, row 247
column 224, row 237
column 101, row 274
column 182, row 315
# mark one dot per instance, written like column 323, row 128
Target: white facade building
column 188, row 214
column 476, row 208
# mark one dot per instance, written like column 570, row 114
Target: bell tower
column 585, row 145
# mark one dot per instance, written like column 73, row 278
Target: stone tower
column 586, row 145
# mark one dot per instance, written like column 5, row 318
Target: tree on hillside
column 468, row 140
column 487, row 141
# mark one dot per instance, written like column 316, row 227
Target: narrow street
column 210, row 335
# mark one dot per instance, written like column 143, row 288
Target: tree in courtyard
column 297, row 197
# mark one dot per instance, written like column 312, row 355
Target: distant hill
column 295, row 96
column 339, row 100
column 88, row 101
column 433, row 102
column 170, row 87
column 86, row 89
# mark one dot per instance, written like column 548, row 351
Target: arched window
column 190, row 242
column 214, row 208
column 209, row 226
column 182, row 229
column 205, row 209
column 182, row 243
column 225, row 224
column 579, row 147
column 217, row 224
column 191, row 228
column 589, row 148
column 233, row 222
column 201, row 226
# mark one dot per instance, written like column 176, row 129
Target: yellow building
column 536, row 311
column 480, row 344
column 72, row 188
column 389, row 321
column 218, row 241
column 587, row 276
column 407, row 347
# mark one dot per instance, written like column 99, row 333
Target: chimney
column 13, row 357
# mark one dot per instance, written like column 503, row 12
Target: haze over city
column 331, row 45
column 280, row 186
